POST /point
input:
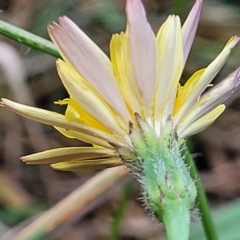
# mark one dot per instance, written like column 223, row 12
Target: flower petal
column 90, row 62
column 212, row 98
column 88, row 99
column 121, row 61
column 76, row 113
column 142, row 47
column 88, row 164
column 96, row 141
column 196, row 88
column 190, row 27
column 202, row 123
column 58, row 120
column 169, row 42
column 67, row 154
column 184, row 91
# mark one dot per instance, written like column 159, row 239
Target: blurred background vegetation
column 30, row 77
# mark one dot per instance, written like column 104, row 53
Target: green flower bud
column 168, row 190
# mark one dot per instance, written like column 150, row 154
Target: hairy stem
column 176, row 219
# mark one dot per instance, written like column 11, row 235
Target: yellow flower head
column 140, row 81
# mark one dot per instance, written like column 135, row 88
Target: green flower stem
column 28, row 39
column 206, row 218
column 176, row 219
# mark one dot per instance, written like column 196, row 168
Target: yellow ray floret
column 89, row 164
column 68, row 154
